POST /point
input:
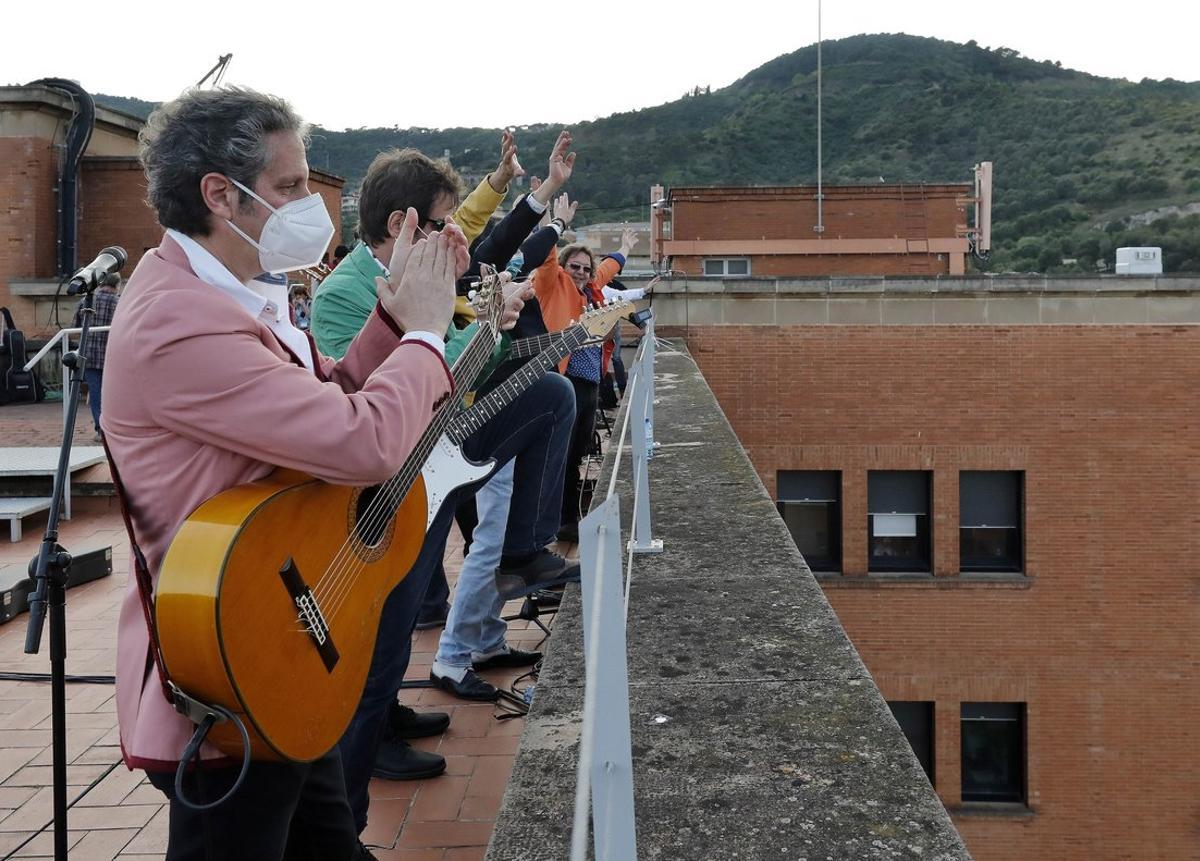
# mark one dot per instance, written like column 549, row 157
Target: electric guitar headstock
column 599, row 321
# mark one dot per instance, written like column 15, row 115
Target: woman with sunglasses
column 566, row 285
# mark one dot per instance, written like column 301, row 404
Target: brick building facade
column 1083, row 655
column 112, row 199
column 896, row 229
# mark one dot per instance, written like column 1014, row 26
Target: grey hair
column 222, row 130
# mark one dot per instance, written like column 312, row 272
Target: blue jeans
column 533, row 429
column 475, row 625
column 94, row 377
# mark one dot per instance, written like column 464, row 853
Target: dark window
column 990, row 521
column 810, row 505
column 898, row 520
column 727, row 266
column 993, row 751
column 916, row 720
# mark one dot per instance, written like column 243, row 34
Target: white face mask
column 294, row 237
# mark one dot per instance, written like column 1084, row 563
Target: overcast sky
column 471, row 63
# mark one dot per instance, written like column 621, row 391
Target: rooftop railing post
column 642, row 408
column 648, row 359
column 605, row 757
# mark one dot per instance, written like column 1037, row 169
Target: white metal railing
column 65, row 336
column 604, row 782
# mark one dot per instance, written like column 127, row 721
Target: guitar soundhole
column 370, row 522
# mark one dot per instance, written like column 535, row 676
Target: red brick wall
column 113, row 211
column 331, row 193
column 853, row 212
column 1100, row 639
column 28, row 230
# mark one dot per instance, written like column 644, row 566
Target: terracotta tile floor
column 448, row 818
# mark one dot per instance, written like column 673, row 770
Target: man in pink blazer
column 208, row 386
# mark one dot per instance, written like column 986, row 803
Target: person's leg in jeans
column 535, row 429
column 475, row 627
column 94, row 377
column 283, row 811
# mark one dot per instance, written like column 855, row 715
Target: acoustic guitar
column 269, row 598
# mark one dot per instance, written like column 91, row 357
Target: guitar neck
column 526, row 347
column 473, row 358
column 487, row 407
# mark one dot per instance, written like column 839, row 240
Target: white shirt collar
column 266, row 302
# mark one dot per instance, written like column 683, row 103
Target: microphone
column 107, row 262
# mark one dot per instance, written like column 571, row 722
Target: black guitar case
column 17, row 385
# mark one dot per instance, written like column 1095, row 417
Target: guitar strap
column 145, row 583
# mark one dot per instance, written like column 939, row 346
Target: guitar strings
column 341, row 574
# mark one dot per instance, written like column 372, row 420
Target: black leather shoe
column 404, row 722
column 511, row 658
column 399, row 760
column 470, row 688
column 543, row 570
column 569, row 532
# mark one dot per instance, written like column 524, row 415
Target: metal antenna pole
column 820, row 225
column 219, row 69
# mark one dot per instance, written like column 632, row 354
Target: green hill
column 1074, row 154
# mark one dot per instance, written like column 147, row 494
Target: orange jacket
column 562, row 303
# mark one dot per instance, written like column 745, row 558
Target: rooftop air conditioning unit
column 1139, row 261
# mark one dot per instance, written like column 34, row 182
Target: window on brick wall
column 718, row 266
column 990, row 519
column 810, row 503
column 898, row 520
column 993, row 752
column 916, row 721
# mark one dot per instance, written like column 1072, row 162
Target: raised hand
column 422, row 298
column 460, row 248
column 508, row 168
column 628, row 241
column 562, row 162
column 564, row 208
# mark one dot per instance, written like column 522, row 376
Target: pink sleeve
column 229, row 390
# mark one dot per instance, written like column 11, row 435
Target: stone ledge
column 777, row 743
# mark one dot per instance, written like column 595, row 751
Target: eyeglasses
column 579, row 267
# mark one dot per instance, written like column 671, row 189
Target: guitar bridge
column 310, row 613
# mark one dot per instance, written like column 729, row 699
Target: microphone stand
column 50, row 569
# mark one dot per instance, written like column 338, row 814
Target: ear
column 394, row 223
column 219, row 195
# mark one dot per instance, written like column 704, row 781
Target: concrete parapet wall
column 757, row 731
column 975, row 300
